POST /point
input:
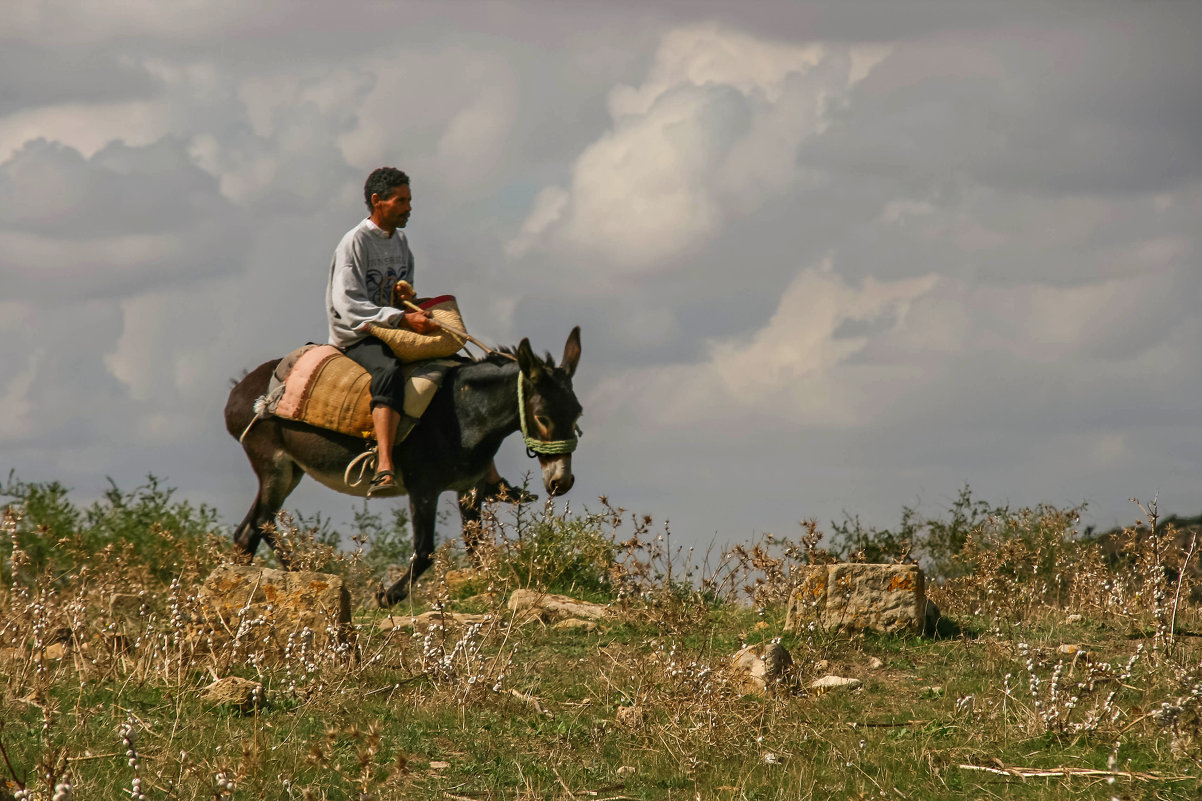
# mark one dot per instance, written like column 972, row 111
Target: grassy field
column 102, row 673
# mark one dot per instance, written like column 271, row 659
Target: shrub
column 59, row 538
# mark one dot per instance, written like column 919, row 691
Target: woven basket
column 410, row 346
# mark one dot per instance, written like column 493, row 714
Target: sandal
column 383, row 481
column 502, row 490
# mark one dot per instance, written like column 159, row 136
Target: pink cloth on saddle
column 301, row 378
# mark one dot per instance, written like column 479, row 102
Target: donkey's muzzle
column 557, row 474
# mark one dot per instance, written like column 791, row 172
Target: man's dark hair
column 383, row 182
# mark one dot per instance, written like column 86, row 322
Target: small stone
column 625, row 772
column 828, row 683
column 456, row 580
column 235, row 691
column 576, row 624
column 761, row 669
column 1074, row 618
column 439, row 765
column 55, row 651
column 531, row 604
column 433, row 618
column 874, row 663
column 631, row 717
column 1069, row 649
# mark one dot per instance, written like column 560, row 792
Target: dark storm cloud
column 46, row 188
column 44, row 75
column 1101, row 107
column 127, row 220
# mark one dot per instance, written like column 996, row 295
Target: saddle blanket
column 321, row 386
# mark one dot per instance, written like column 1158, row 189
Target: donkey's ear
column 571, row 352
column 528, row 362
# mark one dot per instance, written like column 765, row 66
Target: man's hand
column 421, row 322
column 401, row 292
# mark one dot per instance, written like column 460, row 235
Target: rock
column 126, row 605
column 279, row 604
column 874, row 663
column 234, row 691
column 859, row 597
column 531, row 604
column 1074, row 618
column 443, row 619
column 828, row 683
column 1064, row 650
column 456, row 580
column 576, row 624
column 762, row 669
column 55, row 651
column 625, row 772
column 631, row 717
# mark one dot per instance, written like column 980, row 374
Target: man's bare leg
column 385, row 420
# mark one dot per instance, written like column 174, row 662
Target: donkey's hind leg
column 278, row 476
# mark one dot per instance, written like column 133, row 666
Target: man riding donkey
column 370, row 278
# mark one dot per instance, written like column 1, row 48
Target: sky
column 829, row 258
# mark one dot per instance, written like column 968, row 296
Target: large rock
column 859, row 597
column 273, row 605
column 528, row 604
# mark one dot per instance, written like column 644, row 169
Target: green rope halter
column 540, row 446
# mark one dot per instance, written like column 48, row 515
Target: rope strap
column 365, row 461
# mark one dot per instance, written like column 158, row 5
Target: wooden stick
column 1039, row 773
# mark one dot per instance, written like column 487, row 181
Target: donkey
column 479, row 405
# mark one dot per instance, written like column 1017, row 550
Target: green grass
column 532, row 712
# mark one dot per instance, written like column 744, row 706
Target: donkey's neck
column 487, row 397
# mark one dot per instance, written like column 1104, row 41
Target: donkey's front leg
column 422, row 508
column 469, row 513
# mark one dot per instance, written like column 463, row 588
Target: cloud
column 86, row 21
column 850, row 355
column 50, row 77
column 709, row 135
column 126, row 220
column 1063, row 108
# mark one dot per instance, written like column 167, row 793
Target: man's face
column 392, row 212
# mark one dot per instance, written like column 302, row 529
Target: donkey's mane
column 504, row 354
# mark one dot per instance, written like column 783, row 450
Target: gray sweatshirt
column 366, row 264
